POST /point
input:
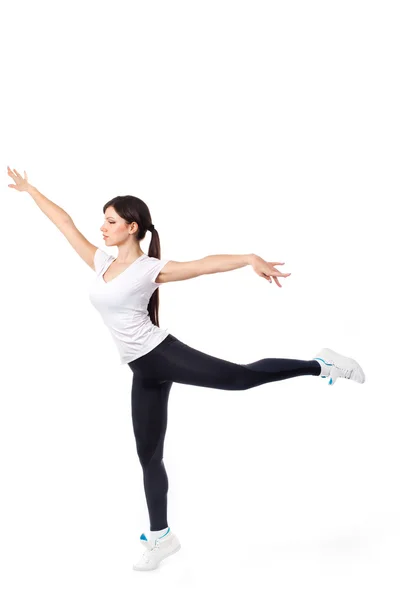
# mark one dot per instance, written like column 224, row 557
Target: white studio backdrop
column 265, row 127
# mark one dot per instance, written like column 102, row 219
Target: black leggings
column 154, row 374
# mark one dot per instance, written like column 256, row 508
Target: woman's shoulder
column 100, row 259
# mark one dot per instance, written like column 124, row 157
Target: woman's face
column 114, row 229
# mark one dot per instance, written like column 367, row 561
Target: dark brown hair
column 133, row 209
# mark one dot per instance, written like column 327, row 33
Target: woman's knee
column 239, row 379
column 245, row 378
column 149, row 452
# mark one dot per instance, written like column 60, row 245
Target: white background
column 265, row 127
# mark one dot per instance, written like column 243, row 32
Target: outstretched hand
column 21, row 183
column 267, row 269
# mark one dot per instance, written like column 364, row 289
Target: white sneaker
column 164, row 546
column 336, row 365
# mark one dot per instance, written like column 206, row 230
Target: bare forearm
column 54, row 212
column 219, row 263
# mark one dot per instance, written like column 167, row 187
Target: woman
column 125, row 292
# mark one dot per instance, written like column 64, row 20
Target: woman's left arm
column 217, row 263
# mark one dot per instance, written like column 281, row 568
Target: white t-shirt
column 122, row 304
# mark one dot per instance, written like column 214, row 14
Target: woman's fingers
column 277, row 282
column 277, row 271
column 12, row 174
column 21, row 182
column 275, row 278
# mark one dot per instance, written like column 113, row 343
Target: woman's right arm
column 58, row 216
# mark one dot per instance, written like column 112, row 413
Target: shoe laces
column 146, row 556
column 346, row 372
column 156, row 546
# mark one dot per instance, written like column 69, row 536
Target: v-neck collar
column 119, row 274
